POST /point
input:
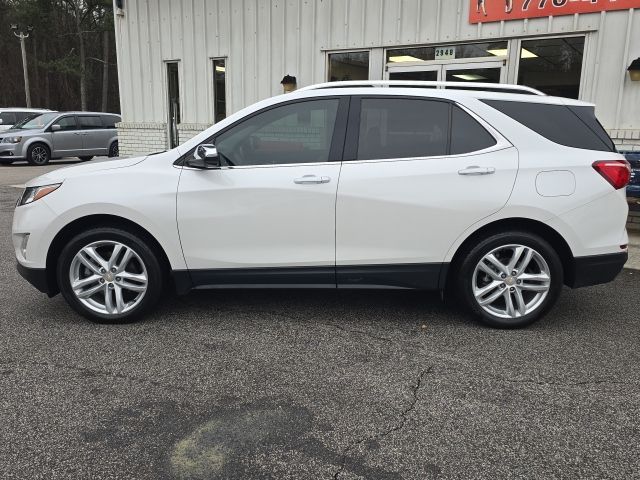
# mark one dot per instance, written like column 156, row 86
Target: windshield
column 35, row 123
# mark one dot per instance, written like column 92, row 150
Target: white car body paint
column 370, row 212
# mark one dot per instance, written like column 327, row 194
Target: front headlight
column 31, row 194
column 12, row 140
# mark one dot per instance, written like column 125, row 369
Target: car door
column 95, row 137
column 67, row 141
column 267, row 216
column 417, row 173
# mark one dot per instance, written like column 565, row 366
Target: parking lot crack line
column 399, row 425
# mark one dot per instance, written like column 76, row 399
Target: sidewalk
column 634, row 251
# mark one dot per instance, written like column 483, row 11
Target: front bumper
column 37, row 277
column 595, row 269
column 10, row 151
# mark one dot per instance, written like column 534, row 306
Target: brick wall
column 626, row 139
column 141, row 138
column 187, row 131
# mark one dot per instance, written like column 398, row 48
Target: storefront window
column 447, row 52
column 348, row 66
column 552, row 65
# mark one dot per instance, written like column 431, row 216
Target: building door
column 429, row 73
column 173, row 107
column 480, row 72
column 492, row 71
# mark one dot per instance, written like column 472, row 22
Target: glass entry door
column 424, row 73
column 485, row 72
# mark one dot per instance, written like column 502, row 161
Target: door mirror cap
column 205, row 158
column 55, row 128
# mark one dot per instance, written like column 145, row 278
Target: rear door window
column 569, row 126
column 402, row 128
column 90, row 122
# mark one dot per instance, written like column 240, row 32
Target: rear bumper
column 595, row 269
column 36, row 277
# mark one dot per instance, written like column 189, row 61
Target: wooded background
column 70, row 55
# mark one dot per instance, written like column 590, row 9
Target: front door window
column 296, row 133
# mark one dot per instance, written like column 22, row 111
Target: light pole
column 21, row 35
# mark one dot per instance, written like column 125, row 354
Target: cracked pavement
column 317, row 384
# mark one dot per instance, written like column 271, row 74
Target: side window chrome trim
column 249, row 167
column 494, row 148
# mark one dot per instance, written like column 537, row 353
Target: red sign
column 495, row 10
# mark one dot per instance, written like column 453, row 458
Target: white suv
column 497, row 194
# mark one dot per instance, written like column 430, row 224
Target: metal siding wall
column 265, row 39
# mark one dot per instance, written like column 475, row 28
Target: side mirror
column 56, row 128
column 205, row 158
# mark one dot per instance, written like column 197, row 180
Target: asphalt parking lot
column 314, row 385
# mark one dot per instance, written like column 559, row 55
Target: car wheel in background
column 510, row 279
column 38, row 154
column 109, row 275
column 86, row 158
column 113, row 149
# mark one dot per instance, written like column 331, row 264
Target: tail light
column 616, row 172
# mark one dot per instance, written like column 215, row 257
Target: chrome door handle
column 475, row 170
column 311, row 179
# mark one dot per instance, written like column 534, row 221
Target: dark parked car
column 633, row 189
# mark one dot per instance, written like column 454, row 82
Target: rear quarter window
column 109, row 121
column 467, row 135
column 574, row 127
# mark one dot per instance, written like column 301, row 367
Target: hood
column 17, row 132
column 57, row 176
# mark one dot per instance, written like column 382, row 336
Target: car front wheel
column 38, row 154
column 109, row 275
column 510, row 279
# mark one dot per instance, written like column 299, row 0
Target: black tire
column 155, row 280
column 464, row 278
column 38, row 154
column 86, row 158
column 113, row 149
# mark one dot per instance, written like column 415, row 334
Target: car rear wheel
column 109, row 275
column 113, row 149
column 38, row 154
column 86, row 158
column 510, row 279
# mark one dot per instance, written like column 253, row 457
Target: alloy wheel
column 39, row 155
column 108, row 277
column 511, row 281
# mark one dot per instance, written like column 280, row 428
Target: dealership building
column 185, row 64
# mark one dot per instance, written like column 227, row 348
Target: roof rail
column 419, row 83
